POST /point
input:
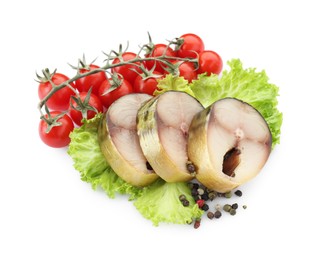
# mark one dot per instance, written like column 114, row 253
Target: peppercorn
column 234, row 206
column 238, row 193
column 244, row 206
column 217, row 214
column 197, row 223
column 218, row 207
column 205, row 196
column 182, row 197
column 212, row 195
column 185, row 203
column 205, row 207
column 232, row 212
column 219, row 194
column 200, row 191
column 210, row 215
column 190, row 167
column 190, row 185
column 194, row 191
column 227, row 207
column 200, row 203
column 195, row 186
column 228, row 195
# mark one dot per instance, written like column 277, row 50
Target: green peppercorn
column 232, row 212
column 190, row 185
column 227, row 208
column 197, row 197
column 244, row 206
column 212, row 195
column 182, row 197
column 228, row 195
column 217, row 214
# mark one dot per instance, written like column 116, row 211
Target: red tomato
column 209, row 62
column 192, row 44
column 60, row 100
column 107, row 99
column 146, row 85
column 58, row 135
column 187, row 70
column 93, row 81
column 159, row 50
column 94, row 101
column 126, row 70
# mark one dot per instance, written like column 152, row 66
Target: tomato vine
column 171, row 64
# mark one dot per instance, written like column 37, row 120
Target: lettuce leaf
column 245, row 84
column 160, row 202
column 88, row 159
column 171, row 82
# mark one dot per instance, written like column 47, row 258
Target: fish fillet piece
column 229, row 143
column 163, row 124
column 119, row 141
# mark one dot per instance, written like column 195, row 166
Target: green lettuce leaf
column 88, row 159
column 160, row 202
column 171, row 82
column 245, row 84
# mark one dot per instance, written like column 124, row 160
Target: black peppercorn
column 238, row 193
column 185, row 203
column 217, row 214
column 205, row 196
column 234, row 206
column 205, row 207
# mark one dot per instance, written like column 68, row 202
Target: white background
column 47, row 212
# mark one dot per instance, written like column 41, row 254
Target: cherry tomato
column 107, row 99
column 58, row 135
column 192, row 44
column 187, row 70
column 146, row 85
column 127, row 71
column 159, row 50
column 60, row 100
column 209, row 62
column 94, row 101
column 93, row 81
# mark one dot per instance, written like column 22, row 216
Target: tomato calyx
column 52, row 121
column 116, row 81
column 82, row 65
column 47, row 76
column 83, row 106
column 174, row 68
column 178, row 42
column 149, row 47
column 149, row 73
column 117, row 55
